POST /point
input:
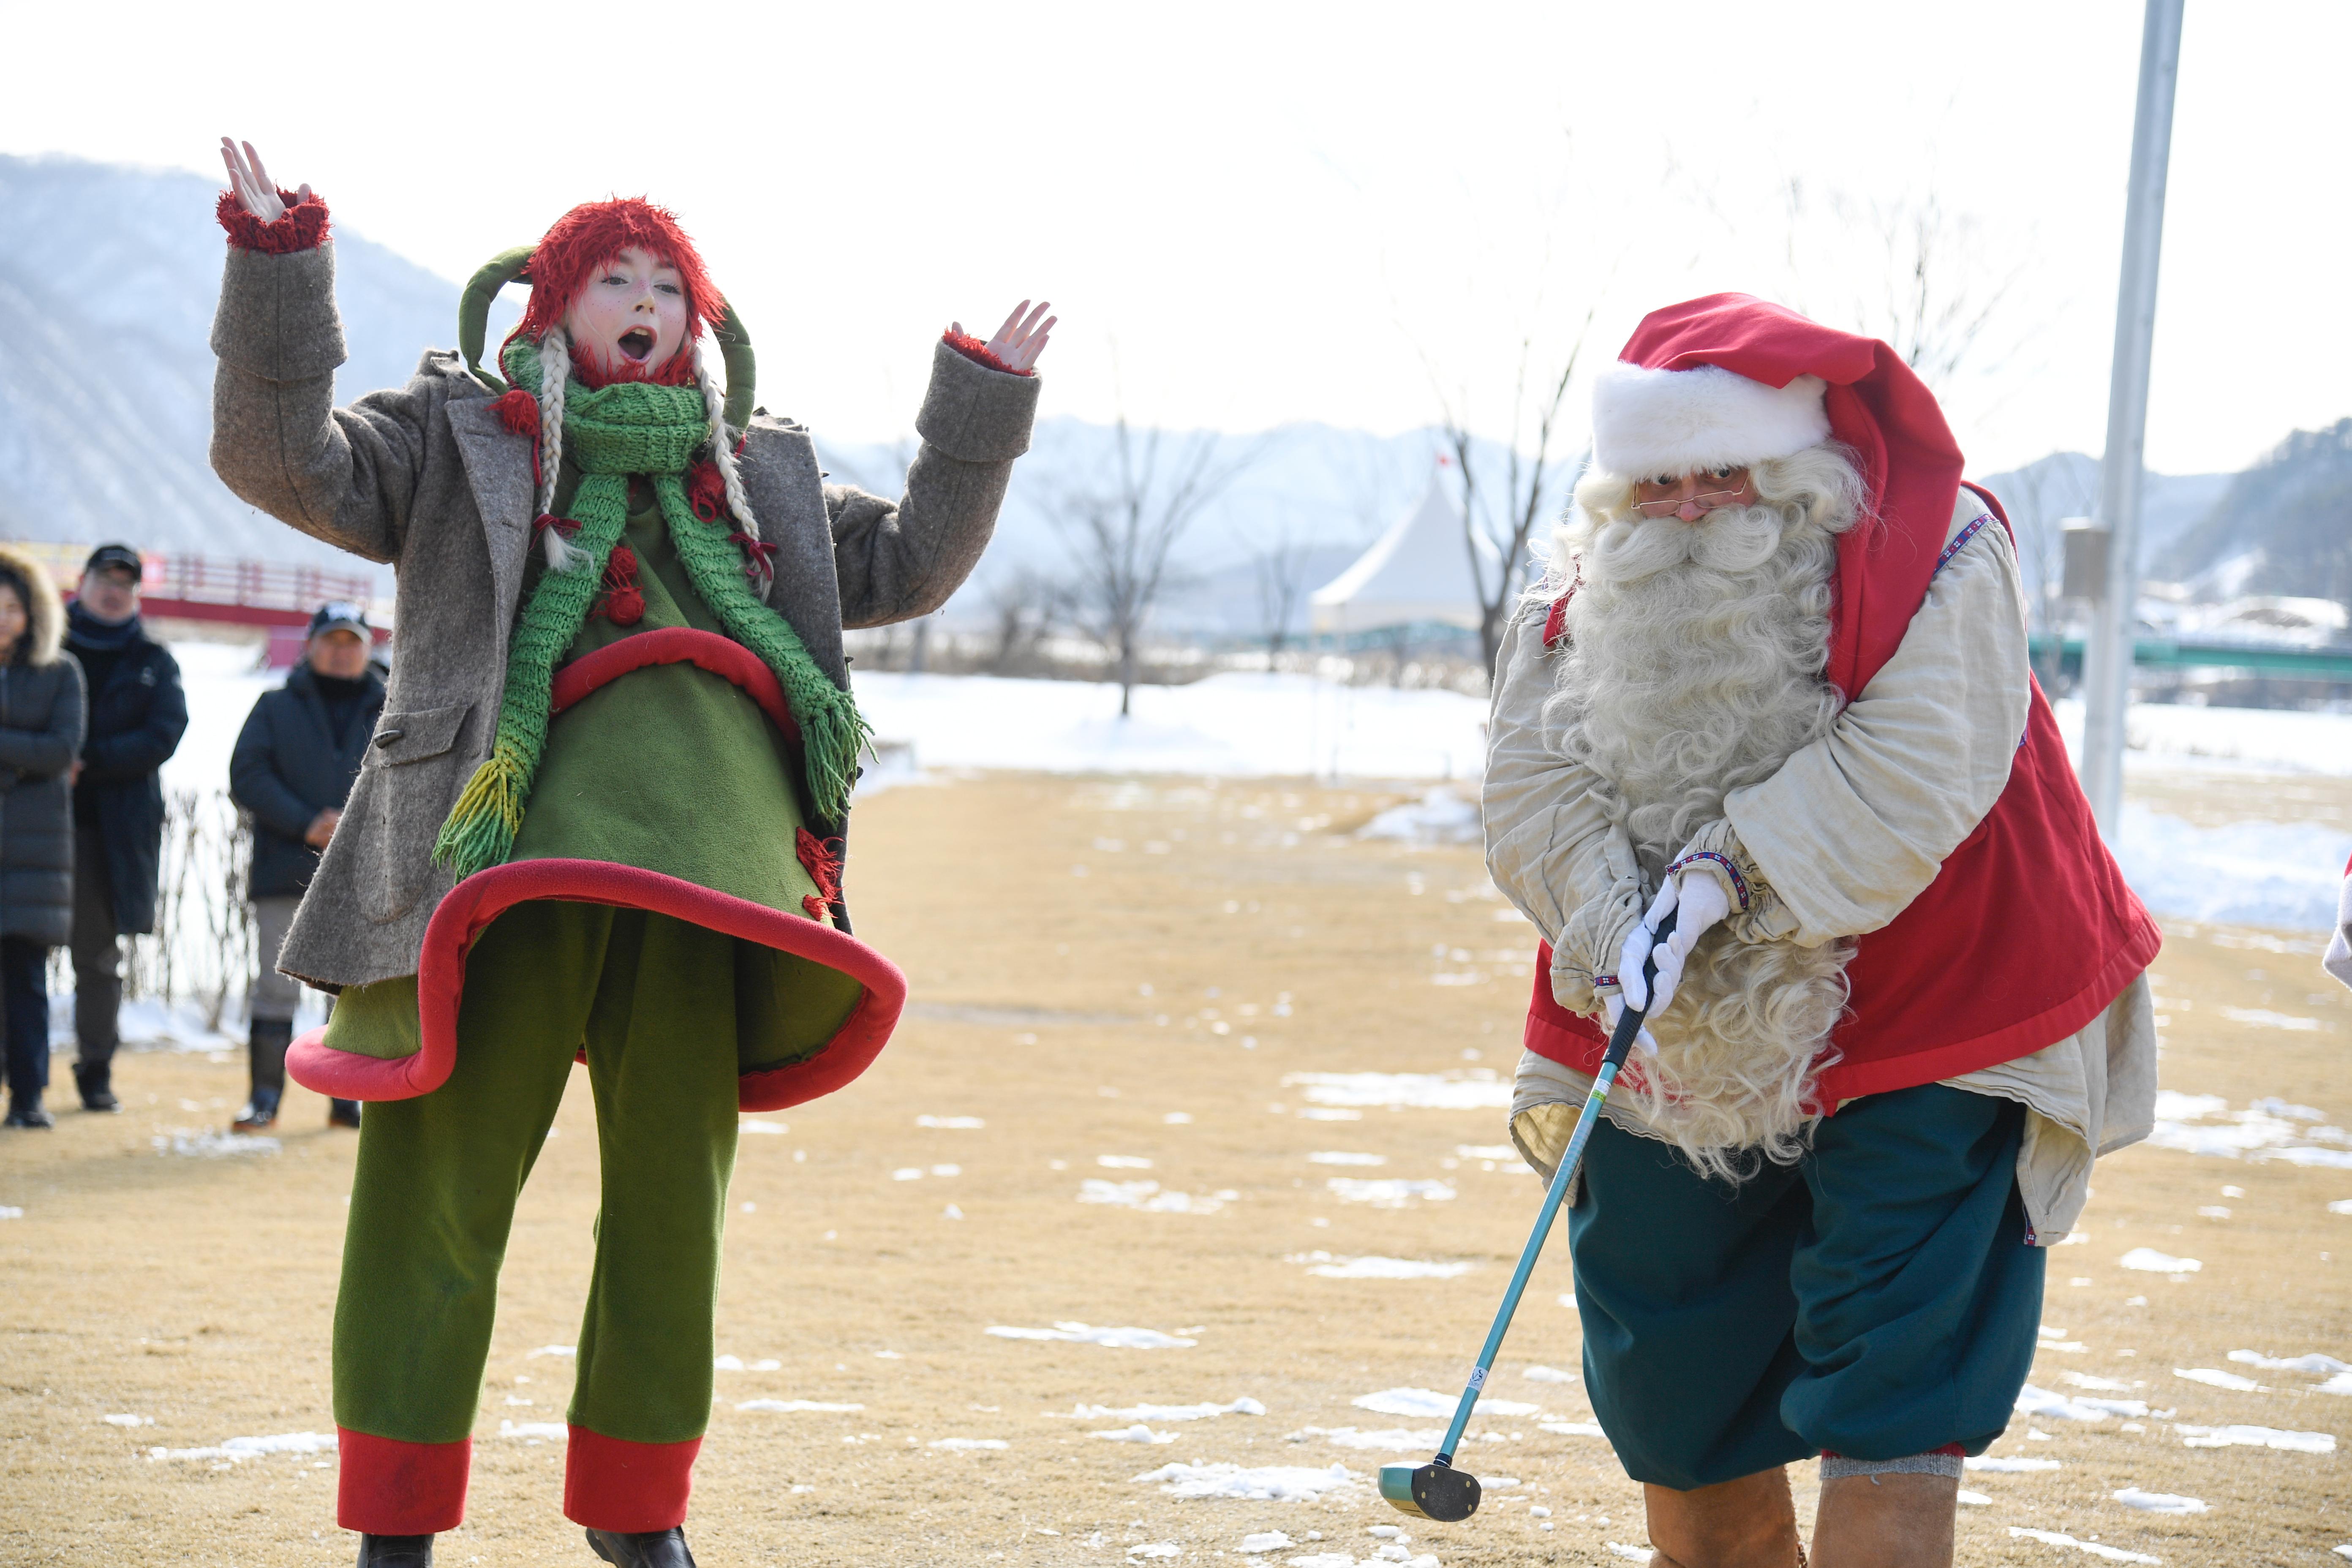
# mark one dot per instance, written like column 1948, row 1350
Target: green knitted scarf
column 611, row 433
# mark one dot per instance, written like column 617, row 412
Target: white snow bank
column 1138, row 1433
column 212, row 1144
column 1476, row 1089
column 1261, row 1483
column 2148, row 1260
column 2214, row 1377
column 2251, row 740
column 1231, row 725
column 1147, row 1198
column 1441, row 817
column 1080, row 1333
column 2032, row 1401
column 793, row 1406
column 1388, row 1193
column 236, row 1450
column 2160, row 1502
column 1242, row 1406
column 1428, row 1402
column 2255, row 1437
column 1388, row 1268
column 2059, row 1537
column 2313, row 1362
column 2204, row 1124
column 2240, row 873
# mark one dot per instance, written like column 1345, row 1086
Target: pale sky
column 1250, row 215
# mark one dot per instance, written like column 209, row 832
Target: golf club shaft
column 1621, row 1041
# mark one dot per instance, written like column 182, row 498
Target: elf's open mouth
column 638, row 342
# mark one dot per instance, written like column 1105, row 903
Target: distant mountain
column 2042, row 495
column 110, row 277
column 2283, row 527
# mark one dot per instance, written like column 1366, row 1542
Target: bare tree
column 1498, row 518
column 1281, row 569
column 1126, row 530
column 1025, row 601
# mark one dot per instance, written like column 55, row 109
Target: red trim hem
column 730, row 661
column 302, row 226
column 629, row 1489
column 384, row 1486
column 1851, row 1080
column 979, row 352
column 481, row 898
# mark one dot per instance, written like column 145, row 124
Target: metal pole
column 2107, row 659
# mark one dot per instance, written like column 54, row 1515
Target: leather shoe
column 653, row 1549
column 395, row 1552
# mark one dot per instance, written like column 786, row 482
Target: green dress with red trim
column 671, row 778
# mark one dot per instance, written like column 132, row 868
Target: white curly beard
column 1694, row 668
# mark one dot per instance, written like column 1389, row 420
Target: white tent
column 1418, row 573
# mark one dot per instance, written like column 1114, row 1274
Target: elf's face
column 630, row 318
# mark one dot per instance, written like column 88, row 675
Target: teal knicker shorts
column 1876, row 1300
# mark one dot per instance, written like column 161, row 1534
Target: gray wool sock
column 1834, row 1466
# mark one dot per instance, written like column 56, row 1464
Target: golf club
column 1436, row 1489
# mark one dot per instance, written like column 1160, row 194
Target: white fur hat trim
column 1676, row 421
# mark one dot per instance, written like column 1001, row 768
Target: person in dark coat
column 41, row 735
column 293, row 768
column 137, row 715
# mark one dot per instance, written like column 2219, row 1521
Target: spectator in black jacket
column 293, row 768
column 40, row 732
column 137, row 715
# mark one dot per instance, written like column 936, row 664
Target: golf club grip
column 1621, row 1041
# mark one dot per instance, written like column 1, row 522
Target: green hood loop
column 474, row 322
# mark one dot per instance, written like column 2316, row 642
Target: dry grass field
column 1122, row 972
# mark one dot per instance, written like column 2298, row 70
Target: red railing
column 188, row 586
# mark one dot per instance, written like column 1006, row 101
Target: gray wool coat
column 427, row 477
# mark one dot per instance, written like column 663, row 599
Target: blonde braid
column 554, row 373
column 722, row 456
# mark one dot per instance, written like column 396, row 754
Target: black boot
column 96, row 1085
column 265, row 1050
column 653, row 1549
column 342, row 1113
column 395, row 1552
column 25, row 1110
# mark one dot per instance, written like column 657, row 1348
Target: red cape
column 2029, row 932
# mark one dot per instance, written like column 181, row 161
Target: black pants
column 97, row 954
column 25, row 1013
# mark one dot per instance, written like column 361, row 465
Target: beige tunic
column 1837, row 843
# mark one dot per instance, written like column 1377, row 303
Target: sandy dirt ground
column 1109, row 974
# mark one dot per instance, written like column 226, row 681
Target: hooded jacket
column 42, row 713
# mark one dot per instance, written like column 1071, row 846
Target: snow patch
column 2059, row 1537
column 1388, row 1269
column 1476, row 1089
column 1242, row 1406
column 1080, row 1333
column 2148, row 1260
column 1389, row 1192
column 2255, row 1437
column 236, row 1450
column 2160, row 1502
column 1263, row 1483
column 796, row 1406
column 1428, row 1402
column 1441, row 817
column 211, row 1144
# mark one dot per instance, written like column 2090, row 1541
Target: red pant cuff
column 611, row 1483
column 386, row 1487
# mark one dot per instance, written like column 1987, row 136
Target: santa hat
column 1730, row 379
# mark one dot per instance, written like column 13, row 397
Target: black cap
column 120, row 555
column 339, row 615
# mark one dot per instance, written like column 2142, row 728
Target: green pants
column 652, row 1000
column 1876, row 1300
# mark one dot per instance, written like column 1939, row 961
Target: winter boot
column 395, row 1552
column 25, row 1110
column 342, row 1113
column 96, row 1085
column 260, row 1112
column 653, row 1549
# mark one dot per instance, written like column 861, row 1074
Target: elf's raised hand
column 1018, row 342
column 256, row 193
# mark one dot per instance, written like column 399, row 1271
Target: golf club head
column 1429, row 1491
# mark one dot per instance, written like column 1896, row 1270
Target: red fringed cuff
column 974, row 350
column 302, row 227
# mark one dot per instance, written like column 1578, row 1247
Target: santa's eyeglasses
column 1705, row 503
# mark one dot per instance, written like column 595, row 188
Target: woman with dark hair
column 41, row 718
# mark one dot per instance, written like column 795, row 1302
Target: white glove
column 1698, row 901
